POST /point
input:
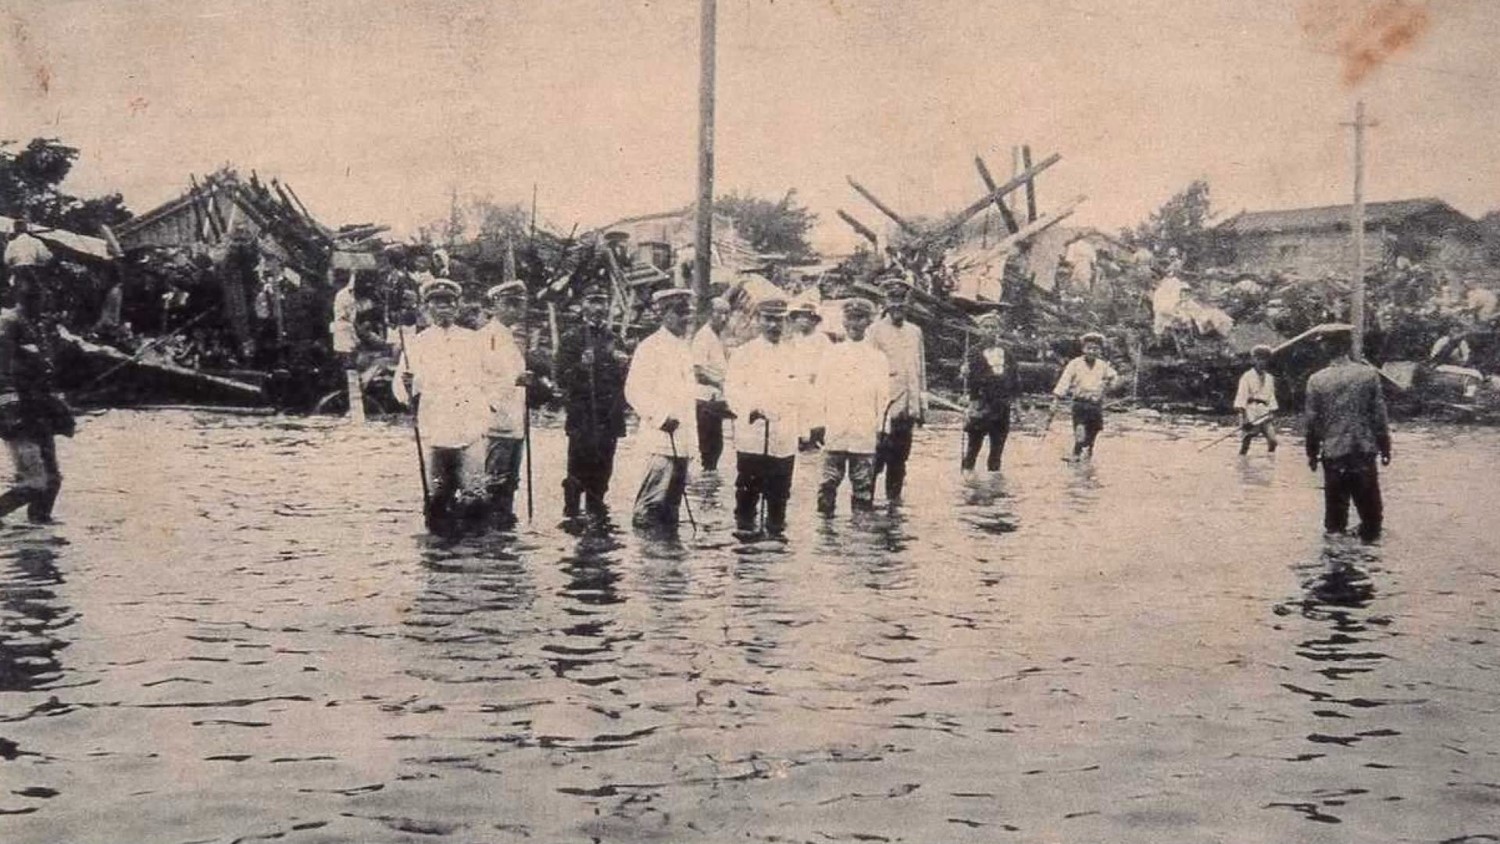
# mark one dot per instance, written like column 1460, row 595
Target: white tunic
column 766, row 377
column 710, row 356
column 662, row 384
column 905, row 350
column 502, row 363
column 1083, row 381
column 853, row 393
column 1256, row 395
column 345, row 313
column 446, row 369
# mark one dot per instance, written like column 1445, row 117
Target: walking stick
column 416, row 428
column 526, row 442
column 1238, row 429
column 686, row 504
column 765, row 451
column 963, row 427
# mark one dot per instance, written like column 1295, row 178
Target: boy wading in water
column 994, row 382
column 1255, row 402
column 1086, row 378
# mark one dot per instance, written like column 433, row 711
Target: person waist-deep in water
column 848, row 410
column 1347, row 429
column 590, row 372
column 511, row 389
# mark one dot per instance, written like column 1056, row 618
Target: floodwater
column 239, row 633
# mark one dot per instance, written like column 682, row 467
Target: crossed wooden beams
column 995, row 195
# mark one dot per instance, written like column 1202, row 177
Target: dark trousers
column 38, row 478
column 658, row 504
column 997, row 430
column 710, row 436
column 445, row 468
column 760, row 476
column 591, row 463
column 891, row 455
column 502, row 469
column 1089, row 416
column 1353, row 477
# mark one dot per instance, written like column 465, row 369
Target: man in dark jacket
column 1346, row 429
column 590, row 374
column 994, row 382
column 30, row 414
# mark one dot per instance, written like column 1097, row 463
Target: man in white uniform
column 440, row 374
column 763, row 389
column 1255, row 402
column 662, row 388
column 505, row 386
column 803, row 335
column 904, row 347
column 852, row 396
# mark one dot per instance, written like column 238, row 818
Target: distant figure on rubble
column 663, row 390
column 994, row 382
column 710, row 365
column 591, row 367
column 1255, row 401
column 31, row 415
column 1085, row 379
column 1346, row 428
column 848, row 411
column 904, row 349
column 440, row 375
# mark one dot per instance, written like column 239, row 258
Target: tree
column 770, row 227
column 1181, row 223
column 30, row 186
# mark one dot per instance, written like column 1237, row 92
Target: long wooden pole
column 703, row 241
column 1357, row 226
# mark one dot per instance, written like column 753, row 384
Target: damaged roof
column 1377, row 214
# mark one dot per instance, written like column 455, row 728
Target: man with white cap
column 1086, row 378
column 439, row 374
column 710, row 365
column 1255, row 401
column 590, row 372
column 764, row 389
column 506, row 380
column 994, row 382
column 854, row 388
column 663, row 389
column 810, row 344
column 903, row 345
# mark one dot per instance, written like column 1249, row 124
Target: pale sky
column 375, row 110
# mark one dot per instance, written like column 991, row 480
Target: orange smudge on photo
column 1364, row 33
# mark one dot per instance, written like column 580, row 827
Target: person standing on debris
column 344, row 326
column 662, row 387
column 1255, row 402
column 849, row 410
column 31, row 415
column 1346, row 428
column 439, row 376
column 710, row 364
column 994, row 382
column 590, row 372
column 763, row 389
column 508, row 386
column 905, row 349
column 1085, row 379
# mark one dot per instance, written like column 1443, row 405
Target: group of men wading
column 787, row 390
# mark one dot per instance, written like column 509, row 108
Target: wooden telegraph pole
column 1357, row 227
column 703, row 242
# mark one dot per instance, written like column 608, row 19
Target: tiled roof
column 1334, row 216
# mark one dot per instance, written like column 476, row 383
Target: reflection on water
column 260, row 645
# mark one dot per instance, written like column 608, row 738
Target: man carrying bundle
column 904, row 348
column 1255, row 402
column 591, row 366
column 994, row 382
column 663, row 390
column 849, row 410
column 510, row 387
column 1086, row 378
column 763, row 390
column 440, row 375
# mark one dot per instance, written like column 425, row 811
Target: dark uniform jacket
column 593, row 396
column 1346, row 413
column 991, row 390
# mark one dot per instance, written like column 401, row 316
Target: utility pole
column 1357, row 227
column 703, row 242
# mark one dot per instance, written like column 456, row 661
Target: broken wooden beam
column 995, row 195
column 989, row 185
column 859, row 228
column 1042, row 223
column 883, row 208
column 1030, row 185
